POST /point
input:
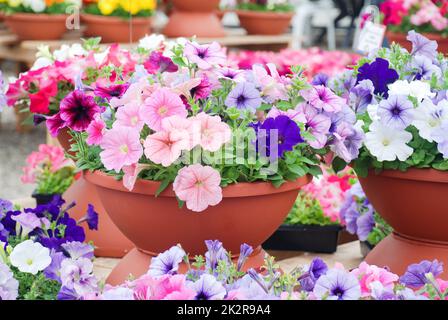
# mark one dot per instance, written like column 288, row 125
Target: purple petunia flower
column 396, row 112
column 53, row 270
column 379, row 73
column 318, row 124
column 361, row 96
column 347, row 141
column 208, row 288
column 77, row 275
column 415, row 275
column 166, row 262
column 215, row 253
column 206, row 55
column 245, row 251
column 337, row 284
column 78, row 110
column 9, row 286
column 320, row 79
column 316, row 269
column 157, row 62
column 112, row 91
column 76, row 250
column 232, row 74
column 282, row 129
column 365, row 224
column 91, row 218
column 261, row 281
column 422, row 45
column 244, row 96
column 68, row 294
column 423, row 68
column 5, row 206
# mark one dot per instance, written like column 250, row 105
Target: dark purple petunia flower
column 203, row 90
column 68, row 294
column 422, row 45
column 112, row 91
column 320, row 79
column 379, row 73
column 244, row 96
column 38, row 119
column 282, row 129
column 91, row 218
column 245, row 251
column 415, row 275
column 157, row 62
column 78, row 110
column 316, row 269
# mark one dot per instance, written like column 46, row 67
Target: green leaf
column 163, row 185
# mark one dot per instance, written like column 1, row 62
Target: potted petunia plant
column 401, row 105
column 424, row 16
column 50, row 171
column 38, row 19
column 265, row 17
column 193, row 135
column 118, row 20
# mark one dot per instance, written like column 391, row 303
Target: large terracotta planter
column 108, row 240
column 264, row 23
column 249, row 213
column 400, row 38
column 31, row 26
column 116, row 29
column 414, row 203
column 194, row 18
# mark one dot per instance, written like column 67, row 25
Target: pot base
column 398, row 252
column 189, row 24
column 108, row 240
column 136, row 263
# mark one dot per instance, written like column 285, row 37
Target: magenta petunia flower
column 77, row 110
column 113, row 91
column 121, row 147
column 95, row 131
column 54, row 124
column 157, row 62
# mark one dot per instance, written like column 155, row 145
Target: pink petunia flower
column 131, row 174
column 165, row 147
column 206, row 56
column 321, row 97
column 198, row 186
column 370, row 273
column 131, row 115
column 167, row 287
column 95, row 131
column 162, row 104
column 121, row 147
column 185, row 127
column 214, row 132
column 55, row 124
column 273, row 86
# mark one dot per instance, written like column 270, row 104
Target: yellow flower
column 107, row 6
column 131, row 6
column 14, row 3
column 148, row 4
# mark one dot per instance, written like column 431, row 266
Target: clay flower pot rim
column 112, row 19
column 241, row 189
column 433, row 35
column 35, row 16
column 265, row 14
column 416, row 174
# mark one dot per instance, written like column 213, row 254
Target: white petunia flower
column 118, row 293
column 66, row 52
column 35, row 5
column 151, row 42
column 417, row 89
column 388, row 144
column 30, row 257
column 429, row 117
column 372, row 110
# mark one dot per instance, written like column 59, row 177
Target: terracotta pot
column 194, row 18
column 249, row 213
column 32, row 26
column 116, row 29
column 414, row 204
column 108, row 240
column 264, row 23
column 400, row 38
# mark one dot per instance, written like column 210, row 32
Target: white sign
column 371, row 37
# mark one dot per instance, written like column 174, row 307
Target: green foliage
column 55, row 182
column 308, row 211
column 35, row 287
column 380, row 231
column 282, row 7
column 55, row 8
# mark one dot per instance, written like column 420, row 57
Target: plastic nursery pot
column 116, row 29
column 42, row 198
column 32, row 26
column 400, row 38
column 108, row 240
column 308, row 238
column 194, row 18
column 265, row 23
column 414, row 204
column 248, row 213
